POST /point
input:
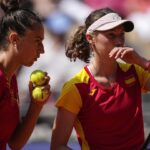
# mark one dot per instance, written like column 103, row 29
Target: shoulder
column 14, row 79
column 70, row 98
column 124, row 66
column 2, row 78
column 81, row 77
column 2, row 81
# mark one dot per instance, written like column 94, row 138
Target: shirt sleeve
column 143, row 76
column 70, row 99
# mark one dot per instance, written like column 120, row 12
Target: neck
column 103, row 68
column 7, row 65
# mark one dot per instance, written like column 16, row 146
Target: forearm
column 56, row 144
column 61, row 148
column 24, row 130
column 144, row 63
column 62, row 128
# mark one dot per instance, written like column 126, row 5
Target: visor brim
column 128, row 25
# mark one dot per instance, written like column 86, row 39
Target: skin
column 24, row 51
column 33, row 50
column 21, row 50
column 107, row 47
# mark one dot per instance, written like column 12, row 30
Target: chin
column 29, row 64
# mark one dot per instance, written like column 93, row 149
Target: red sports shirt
column 107, row 118
column 9, row 110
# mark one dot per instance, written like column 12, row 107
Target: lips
column 37, row 57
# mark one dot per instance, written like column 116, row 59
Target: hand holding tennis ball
column 40, row 89
column 37, row 77
column 39, row 94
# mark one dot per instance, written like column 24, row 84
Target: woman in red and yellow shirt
column 103, row 100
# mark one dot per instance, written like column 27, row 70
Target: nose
column 41, row 49
column 119, row 42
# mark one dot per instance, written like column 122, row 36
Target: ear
column 89, row 38
column 13, row 37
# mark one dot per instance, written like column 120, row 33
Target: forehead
column 36, row 32
column 115, row 30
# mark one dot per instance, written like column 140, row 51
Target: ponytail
column 78, row 46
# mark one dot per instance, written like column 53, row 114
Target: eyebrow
column 114, row 31
column 40, row 38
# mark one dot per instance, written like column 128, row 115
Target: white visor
column 108, row 22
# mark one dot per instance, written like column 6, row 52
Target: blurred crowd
column 60, row 18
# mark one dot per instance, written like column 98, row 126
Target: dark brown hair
column 77, row 45
column 16, row 19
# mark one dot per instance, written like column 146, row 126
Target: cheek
column 103, row 44
column 29, row 52
column 24, row 45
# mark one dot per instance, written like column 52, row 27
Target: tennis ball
column 37, row 77
column 38, row 94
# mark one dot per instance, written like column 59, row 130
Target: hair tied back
column 9, row 5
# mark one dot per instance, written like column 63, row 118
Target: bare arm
column 25, row 128
column 129, row 55
column 143, row 63
column 62, row 129
column 147, row 86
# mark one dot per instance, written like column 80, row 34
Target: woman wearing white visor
column 103, row 100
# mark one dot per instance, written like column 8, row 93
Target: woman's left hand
column 43, row 97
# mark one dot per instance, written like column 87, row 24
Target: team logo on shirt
column 130, row 80
column 92, row 92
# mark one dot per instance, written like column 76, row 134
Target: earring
column 92, row 53
column 15, row 44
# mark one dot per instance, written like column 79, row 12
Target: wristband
column 147, row 66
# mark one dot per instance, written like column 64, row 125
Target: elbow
column 60, row 148
column 54, row 147
column 15, row 145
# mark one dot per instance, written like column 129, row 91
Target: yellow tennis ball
column 38, row 94
column 37, row 77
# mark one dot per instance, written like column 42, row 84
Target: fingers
column 30, row 86
column 42, row 94
column 47, row 79
column 46, row 87
column 120, row 52
column 125, row 52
